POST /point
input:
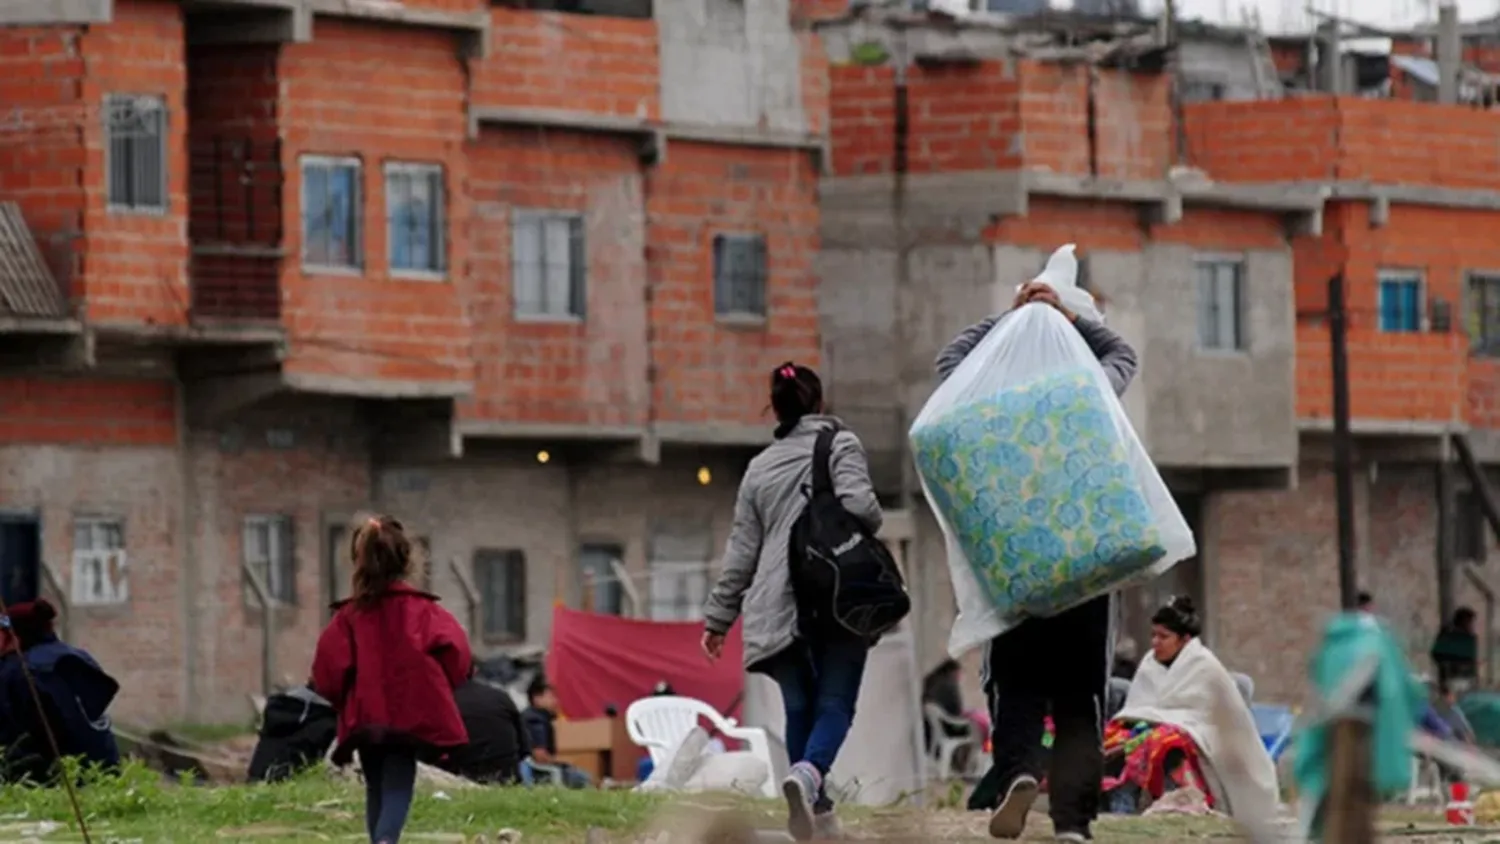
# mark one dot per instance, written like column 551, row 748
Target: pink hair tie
column 789, row 371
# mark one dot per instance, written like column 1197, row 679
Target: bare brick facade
column 210, row 385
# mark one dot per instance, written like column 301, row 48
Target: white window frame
column 1404, row 274
column 725, row 314
column 413, row 169
column 278, row 575
column 356, row 214
column 93, row 560
column 1241, row 342
column 159, row 103
column 576, row 307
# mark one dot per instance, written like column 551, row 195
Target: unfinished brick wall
column 556, row 61
column 380, row 94
column 707, row 370
column 590, row 370
column 235, row 180
column 95, row 447
column 1410, row 376
column 322, row 472
column 135, row 265
column 42, row 156
column 1321, row 137
column 992, row 116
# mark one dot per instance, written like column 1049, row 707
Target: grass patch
column 139, row 806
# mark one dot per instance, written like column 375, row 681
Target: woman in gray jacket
column 818, row 670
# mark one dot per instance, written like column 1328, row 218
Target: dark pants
column 390, row 780
column 1055, row 666
column 819, row 687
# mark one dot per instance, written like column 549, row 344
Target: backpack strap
column 822, row 460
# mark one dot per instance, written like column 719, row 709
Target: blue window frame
column 331, row 201
column 415, row 219
column 1400, row 302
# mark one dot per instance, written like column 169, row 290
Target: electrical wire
column 36, row 699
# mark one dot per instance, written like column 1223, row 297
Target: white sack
column 1030, row 421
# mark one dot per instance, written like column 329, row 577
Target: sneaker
column 800, row 789
column 1073, row 836
column 826, row 826
column 1009, row 818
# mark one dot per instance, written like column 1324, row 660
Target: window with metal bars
column 1220, row 304
column 741, row 267
column 549, row 267
column 1482, row 314
column 416, row 222
column 331, row 201
column 135, row 131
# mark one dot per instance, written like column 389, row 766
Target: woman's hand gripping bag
column 1045, row 495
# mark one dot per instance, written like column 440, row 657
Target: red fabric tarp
column 600, row 660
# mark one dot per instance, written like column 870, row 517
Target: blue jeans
column 532, row 774
column 390, row 780
column 819, row 687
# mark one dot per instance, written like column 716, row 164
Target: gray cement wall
column 730, row 63
column 1212, row 62
column 1192, row 408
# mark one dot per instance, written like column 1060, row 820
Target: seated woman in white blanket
column 1185, row 723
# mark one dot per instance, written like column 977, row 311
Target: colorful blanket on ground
column 1145, row 748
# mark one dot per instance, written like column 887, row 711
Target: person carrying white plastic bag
column 1024, row 392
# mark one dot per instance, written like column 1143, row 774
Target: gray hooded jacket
column 1120, row 364
column 756, row 579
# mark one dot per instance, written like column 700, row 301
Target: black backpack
column 844, row 579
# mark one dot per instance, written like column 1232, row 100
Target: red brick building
column 485, row 267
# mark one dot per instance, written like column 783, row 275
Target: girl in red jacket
column 389, row 662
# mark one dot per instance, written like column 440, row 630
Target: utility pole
column 901, row 314
column 1343, row 457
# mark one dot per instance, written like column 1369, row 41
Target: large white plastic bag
column 1043, row 490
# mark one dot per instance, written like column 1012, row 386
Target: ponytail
column 796, row 391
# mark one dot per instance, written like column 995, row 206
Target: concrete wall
column 730, row 62
column 1218, row 63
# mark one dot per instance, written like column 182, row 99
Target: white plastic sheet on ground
column 1045, row 495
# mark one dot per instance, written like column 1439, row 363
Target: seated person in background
column 1455, row 651
column 942, row 688
column 1186, row 723
column 1126, row 659
column 75, row 696
column 496, row 736
column 539, row 721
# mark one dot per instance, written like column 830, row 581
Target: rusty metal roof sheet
column 27, row 288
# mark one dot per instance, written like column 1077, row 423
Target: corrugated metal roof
column 27, row 288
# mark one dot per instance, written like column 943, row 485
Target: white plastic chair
column 660, row 723
column 945, row 747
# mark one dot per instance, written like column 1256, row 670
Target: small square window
column 549, row 267
column 135, row 132
column 741, row 267
column 1220, row 305
column 416, row 218
column 1401, row 306
column 267, row 545
column 500, row 578
column 100, row 564
column 331, row 203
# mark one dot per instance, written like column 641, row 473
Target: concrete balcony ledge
column 293, row 24
column 33, row 12
column 654, row 136
column 40, row 326
column 651, row 137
